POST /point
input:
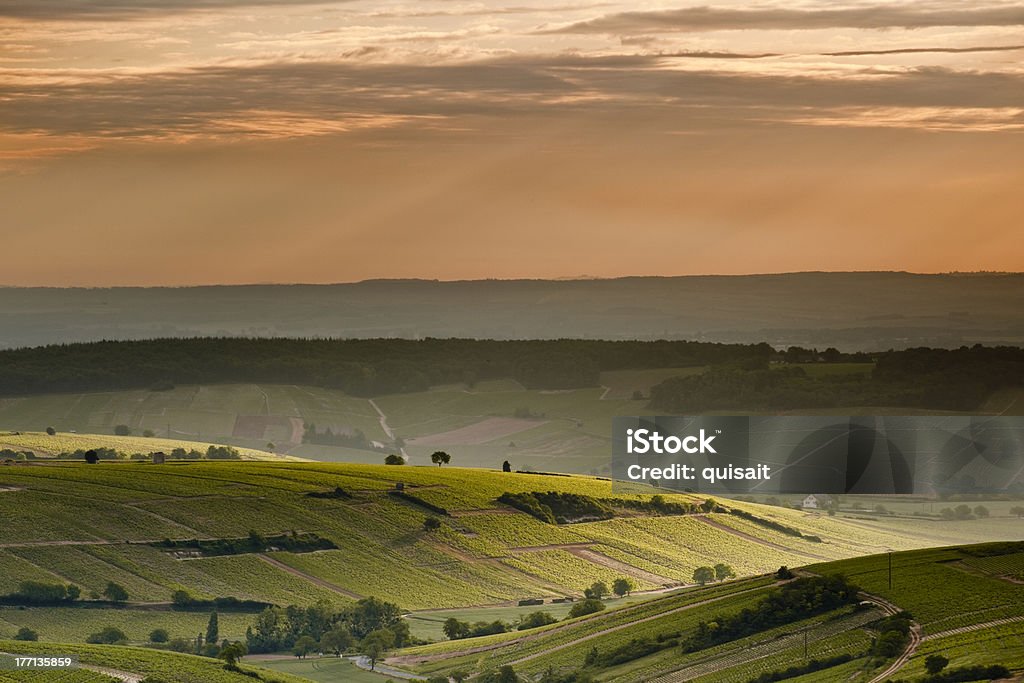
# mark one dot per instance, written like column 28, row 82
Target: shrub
column 25, row 633
column 588, row 606
column 109, row 635
column 536, row 620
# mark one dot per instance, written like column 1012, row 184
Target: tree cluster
column 282, row 628
column 555, row 507
column 798, row 600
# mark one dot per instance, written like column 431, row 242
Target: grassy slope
column 943, row 588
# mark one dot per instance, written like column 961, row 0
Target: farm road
column 754, row 539
column 908, row 652
column 972, row 627
column 308, row 577
column 384, row 426
column 123, row 676
column 364, row 663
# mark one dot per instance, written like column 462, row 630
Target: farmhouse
column 816, row 502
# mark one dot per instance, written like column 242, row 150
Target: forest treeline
column 360, row 367
column 940, row 379
column 740, row 376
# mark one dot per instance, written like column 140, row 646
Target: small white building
column 816, row 502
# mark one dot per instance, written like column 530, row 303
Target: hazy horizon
column 564, row 278
column 233, row 141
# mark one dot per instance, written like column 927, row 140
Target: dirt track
column 308, row 577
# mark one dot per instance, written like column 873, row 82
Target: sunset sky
column 177, row 142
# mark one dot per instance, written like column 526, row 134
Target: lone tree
column 303, row 646
column 723, row 572
column 212, row 628
column 115, row 592
column 231, row 653
column 455, row 629
column 507, row 467
column 431, row 524
column 376, row 644
column 51, row 431
column 933, row 664
column 703, row 575
column 394, row 460
column 337, row 640
column 92, row 457
column 440, row 458
column 159, row 635
column 123, row 430
column 597, row 590
column 622, row 586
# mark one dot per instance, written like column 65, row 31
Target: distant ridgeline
column 748, row 376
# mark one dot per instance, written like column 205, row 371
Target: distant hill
column 850, row 311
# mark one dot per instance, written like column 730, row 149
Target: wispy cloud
column 68, row 10
column 925, row 50
column 702, row 19
column 290, row 99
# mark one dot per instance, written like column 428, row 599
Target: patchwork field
column 87, row 525
column 480, row 425
column 90, row 524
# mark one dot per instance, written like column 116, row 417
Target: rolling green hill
column 69, row 522
column 964, row 603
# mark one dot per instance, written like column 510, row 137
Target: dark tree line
column 960, row 379
column 361, row 367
